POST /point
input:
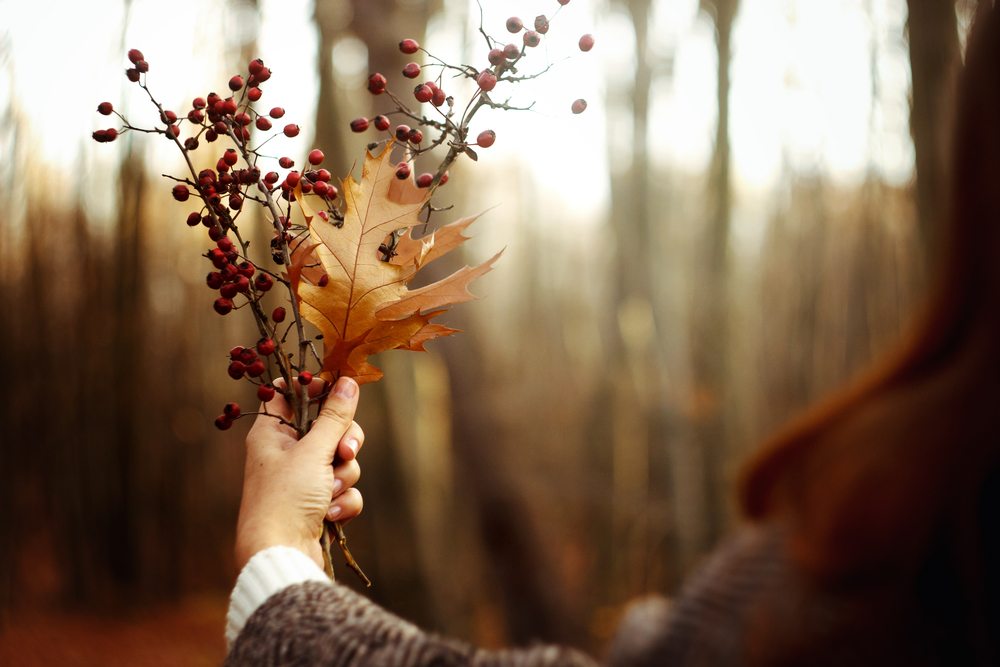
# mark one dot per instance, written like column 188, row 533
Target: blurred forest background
column 740, row 221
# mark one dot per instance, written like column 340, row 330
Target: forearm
column 320, row 623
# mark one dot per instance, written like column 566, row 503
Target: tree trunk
column 935, row 60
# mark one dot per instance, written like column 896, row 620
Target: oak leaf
column 364, row 305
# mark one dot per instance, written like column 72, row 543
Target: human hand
column 290, row 486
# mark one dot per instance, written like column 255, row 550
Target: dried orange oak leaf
column 365, row 307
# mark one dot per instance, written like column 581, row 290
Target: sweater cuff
column 268, row 572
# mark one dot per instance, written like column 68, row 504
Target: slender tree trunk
column 710, row 313
column 935, row 60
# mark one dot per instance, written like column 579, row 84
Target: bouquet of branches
column 331, row 288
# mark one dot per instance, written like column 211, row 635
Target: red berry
column 323, row 281
column 181, row 192
column 291, row 130
column 305, row 377
column 377, row 83
column 247, row 355
column 255, row 66
column 359, row 124
column 423, row 93
column 231, row 410
column 231, row 157
column 229, row 105
column 263, row 123
column 411, row 70
column 105, row 108
column 380, row 122
column 532, row 38
column 234, row 353
column 541, row 24
column 514, row 24
column 223, row 305
column 193, row 219
column 403, row 171
column 198, row 103
column 246, row 269
column 228, row 291
column 254, row 94
column 424, row 180
column 236, row 83
column 276, row 113
column 439, row 97
column 286, row 162
column 511, row 51
column 222, row 422
column 265, row 392
column 263, row 282
column 586, row 42
column 191, row 143
column 261, row 75
column 135, row 55
column 409, row 46
column 132, row 74
column 271, row 177
column 266, row 346
column 487, row 80
column 225, row 244
column 415, row 136
column 486, row 138
column 256, row 369
column 444, row 178
column 278, row 314
column 579, row 106
column 402, row 132
column 236, row 369
column 316, row 156
column 293, row 178
column 243, row 119
column 495, row 56
column 323, row 175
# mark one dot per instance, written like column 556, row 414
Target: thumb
column 337, row 413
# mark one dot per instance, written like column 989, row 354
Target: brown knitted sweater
column 746, row 606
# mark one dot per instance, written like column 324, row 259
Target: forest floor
column 188, row 634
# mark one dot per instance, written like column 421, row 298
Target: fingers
column 337, row 414
column 347, row 506
column 347, row 448
column 345, row 475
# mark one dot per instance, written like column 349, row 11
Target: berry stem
column 300, row 397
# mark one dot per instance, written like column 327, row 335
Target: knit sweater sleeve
column 319, row 623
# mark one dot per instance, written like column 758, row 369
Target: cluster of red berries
column 223, row 191
column 448, row 122
column 240, row 176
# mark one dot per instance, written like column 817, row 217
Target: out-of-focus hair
column 898, row 476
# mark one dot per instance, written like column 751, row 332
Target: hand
column 290, row 485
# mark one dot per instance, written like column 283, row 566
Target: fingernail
column 346, row 388
column 354, row 445
column 337, row 486
column 333, row 512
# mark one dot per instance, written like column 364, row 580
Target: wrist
column 253, row 537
